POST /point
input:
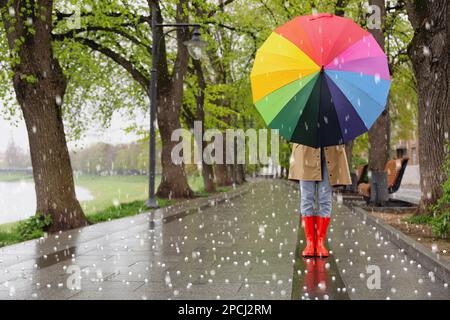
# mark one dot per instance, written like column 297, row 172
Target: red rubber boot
column 322, row 226
column 308, row 225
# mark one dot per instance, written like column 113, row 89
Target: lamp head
column 196, row 45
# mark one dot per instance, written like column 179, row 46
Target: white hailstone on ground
column 322, row 285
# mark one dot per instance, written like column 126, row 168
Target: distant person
column 319, row 168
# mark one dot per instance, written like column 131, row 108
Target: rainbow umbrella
column 321, row 80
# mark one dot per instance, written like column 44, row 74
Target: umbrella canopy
column 321, row 80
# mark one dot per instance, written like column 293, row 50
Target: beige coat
column 305, row 164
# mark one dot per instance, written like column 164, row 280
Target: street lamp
column 195, row 48
column 196, row 45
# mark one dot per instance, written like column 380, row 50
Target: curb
column 412, row 248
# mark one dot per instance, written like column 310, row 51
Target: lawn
column 114, row 197
column 11, row 177
column 110, row 191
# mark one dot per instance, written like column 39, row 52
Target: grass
column 114, row 197
column 124, row 210
column 12, row 177
column 419, row 219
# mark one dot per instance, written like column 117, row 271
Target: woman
column 321, row 168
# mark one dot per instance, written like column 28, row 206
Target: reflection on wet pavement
column 247, row 247
column 316, row 278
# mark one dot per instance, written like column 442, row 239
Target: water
column 18, row 200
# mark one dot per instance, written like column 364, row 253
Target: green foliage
column 419, row 219
column 441, row 210
column 124, row 210
column 107, row 159
column 32, row 228
column 439, row 220
column 403, row 105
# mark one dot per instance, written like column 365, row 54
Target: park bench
column 394, row 169
column 361, row 173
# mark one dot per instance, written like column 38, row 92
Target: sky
column 113, row 135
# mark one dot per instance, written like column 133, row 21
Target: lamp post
column 195, row 48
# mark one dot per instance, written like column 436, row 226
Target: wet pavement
column 247, row 247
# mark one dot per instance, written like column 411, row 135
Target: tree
column 40, row 85
column 207, row 169
column 379, row 133
column 121, row 33
column 429, row 52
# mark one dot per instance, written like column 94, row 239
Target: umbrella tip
column 321, row 69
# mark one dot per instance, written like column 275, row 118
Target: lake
column 18, row 200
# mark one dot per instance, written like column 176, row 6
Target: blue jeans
column 307, row 193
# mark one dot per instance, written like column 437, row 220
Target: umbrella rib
column 356, row 88
column 286, row 84
column 336, row 68
column 313, row 79
column 333, row 109
column 328, row 79
column 356, row 84
column 307, row 104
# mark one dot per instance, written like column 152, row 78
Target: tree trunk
column 222, row 179
column 379, row 133
column 240, row 173
column 207, row 169
column 40, row 86
column 174, row 180
column 429, row 52
column 170, row 98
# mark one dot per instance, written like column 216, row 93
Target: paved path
column 245, row 248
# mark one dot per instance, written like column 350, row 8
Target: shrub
column 33, row 227
column 441, row 210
